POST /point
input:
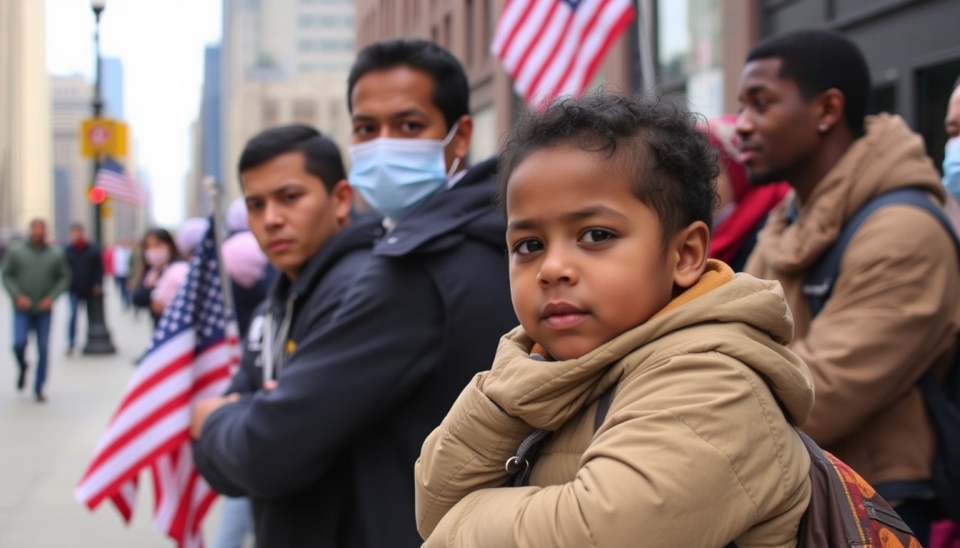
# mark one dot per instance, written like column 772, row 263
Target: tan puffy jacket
column 894, row 310
column 694, row 451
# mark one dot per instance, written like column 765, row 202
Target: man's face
column 778, row 128
column 398, row 103
column 76, row 235
column 952, row 121
column 290, row 211
column 38, row 231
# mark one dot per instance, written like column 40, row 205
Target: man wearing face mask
column 417, row 321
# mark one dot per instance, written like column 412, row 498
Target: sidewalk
column 46, row 447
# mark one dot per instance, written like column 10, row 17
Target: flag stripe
column 193, row 351
column 554, row 47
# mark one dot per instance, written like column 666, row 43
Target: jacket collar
column 361, row 233
column 450, row 216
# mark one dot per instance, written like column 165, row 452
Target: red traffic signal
column 97, row 195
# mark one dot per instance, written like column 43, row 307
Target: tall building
column 206, row 138
column 26, row 178
column 111, row 87
column 283, row 63
column 70, row 105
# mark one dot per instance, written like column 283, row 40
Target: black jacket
column 86, row 268
column 329, row 454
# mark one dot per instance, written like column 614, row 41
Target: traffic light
column 96, row 195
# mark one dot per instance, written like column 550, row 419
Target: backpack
column 844, row 510
column 942, row 400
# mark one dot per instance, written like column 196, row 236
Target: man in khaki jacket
column 893, row 313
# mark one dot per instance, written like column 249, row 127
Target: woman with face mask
column 159, row 252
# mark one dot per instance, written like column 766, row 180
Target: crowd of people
column 608, row 335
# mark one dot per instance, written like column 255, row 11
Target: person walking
column 34, row 275
column 86, row 277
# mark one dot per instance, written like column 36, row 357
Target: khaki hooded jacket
column 894, row 310
column 697, row 448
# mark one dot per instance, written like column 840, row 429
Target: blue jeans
column 236, row 523
column 124, row 291
column 72, row 322
column 23, row 324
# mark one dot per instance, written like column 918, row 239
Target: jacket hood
column 451, row 216
column 889, row 156
column 739, row 316
column 361, row 233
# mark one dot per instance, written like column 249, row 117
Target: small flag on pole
column 193, row 351
column 112, row 178
column 553, row 48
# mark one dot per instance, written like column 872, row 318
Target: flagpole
column 648, row 74
column 213, row 189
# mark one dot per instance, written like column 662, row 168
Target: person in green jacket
column 34, row 274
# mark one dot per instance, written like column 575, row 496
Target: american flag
column 112, row 178
column 190, row 358
column 554, row 47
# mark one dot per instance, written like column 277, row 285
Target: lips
column 747, row 153
column 562, row 315
column 279, row 246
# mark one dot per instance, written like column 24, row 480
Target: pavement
column 45, row 447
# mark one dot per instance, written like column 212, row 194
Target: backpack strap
column 820, row 279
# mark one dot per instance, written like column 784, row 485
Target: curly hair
column 656, row 144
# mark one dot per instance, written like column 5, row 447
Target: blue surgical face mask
column 395, row 176
column 951, row 168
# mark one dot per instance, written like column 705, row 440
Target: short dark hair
column 818, row 60
column 321, row 157
column 670, row 163
column 451, row 92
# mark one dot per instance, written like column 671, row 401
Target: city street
column 46, row 447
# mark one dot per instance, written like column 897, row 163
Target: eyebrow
column 281, row 190
column 573, row 216
column 393, row 116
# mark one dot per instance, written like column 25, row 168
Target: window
column 325, row 45
column 325, row 20
column 269, row 113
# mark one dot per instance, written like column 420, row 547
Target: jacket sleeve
column 890, row 316
column 9, row 269
column 465, row 453
column 385, row 338
column 659, row 473
column 62, row 281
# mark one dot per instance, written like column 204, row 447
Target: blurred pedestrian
column 188, row 237
column 159, row 252
column 86, row 277
column 34, row 275
column 742, row 208
column 894, row 310
column 122, row 264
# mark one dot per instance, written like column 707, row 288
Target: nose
column 272, row 216
column 557, row 268
column 744, row 124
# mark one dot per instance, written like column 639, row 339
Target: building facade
column 283, row 63
column 698, row 50
column 26, row 179
column 70, row 105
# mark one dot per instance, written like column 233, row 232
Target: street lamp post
column 98, row 336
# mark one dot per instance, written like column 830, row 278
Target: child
column 608, row 202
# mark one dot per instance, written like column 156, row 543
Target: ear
column 460, row 143
column 342, row 198
column 832, row 105
column 691, row 248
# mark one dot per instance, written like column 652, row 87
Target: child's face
column 585, row 253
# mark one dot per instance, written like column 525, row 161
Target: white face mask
column 951, row 167
column 395, row 176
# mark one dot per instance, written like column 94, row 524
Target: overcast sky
column 161, row 44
